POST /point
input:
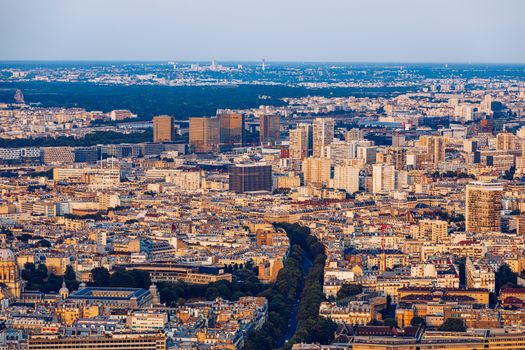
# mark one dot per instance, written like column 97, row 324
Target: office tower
column 434, row 148
column 162, row 128
column 383, row 178
column 250, row 178
column 270, row 130
column 298, row 143
column 346, row 177
column 354, row 134
column 204, row 134
column 323, row 135
column 317, row 170
column 506, row 141
column 483, row 207
column 86, row 154
column 231, row 129
column 433, row 230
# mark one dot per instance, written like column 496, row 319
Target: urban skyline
column 290, row 189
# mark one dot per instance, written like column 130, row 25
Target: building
column 57, row 155
column 115, row 298
column 250, row 178
column 479, row 274
column 122, row 341
column 270, row 129
column 167, row 272
column 86, row 154
column 10, row 281
column 204, row 134
column 433, row 230
column 323, row 135
column 231, row 129
column 317, row 170
column 121, row 114
column 506, row 141
column 163, row 128
column 346, row 177
column 146, row 321
column 383, row 178
column 483, row 207
column 434, row 147
column 298, row 143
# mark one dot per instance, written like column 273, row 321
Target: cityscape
column 179, row 204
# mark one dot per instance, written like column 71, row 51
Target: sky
column 488, row 31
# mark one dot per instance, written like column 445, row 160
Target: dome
column 6, row 255
column 64, row 292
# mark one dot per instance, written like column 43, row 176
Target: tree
column 70, row 274
column 348, row 290
column 70, row 278
column 44, row 243
column 505, row 276
column 41, row 271
column 212, row 293
column 142, row 279
column 100, row 277
column 122, row 278
column 453, row 325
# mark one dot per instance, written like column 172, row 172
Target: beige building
column 316, row 170
column 483, row 207
column 346, row 177
column 433, row 230
column 434, row 147
column 298, row 143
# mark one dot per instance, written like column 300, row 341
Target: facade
column 57, row 155
column 383, row 178
column 346, row 177
column 316, row 170
column 231, row 129
column 433, row 230
column 204, row 134
column 163, row 128
column 86, row 154
column 323, row 135
column 434, row 147
column 298, row 143
column 123, row 341
column 250, row 178
column 483, row 207
column 270, row 129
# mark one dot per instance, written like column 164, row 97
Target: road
column 292, row 325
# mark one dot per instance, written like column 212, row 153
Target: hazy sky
column 279, row 30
